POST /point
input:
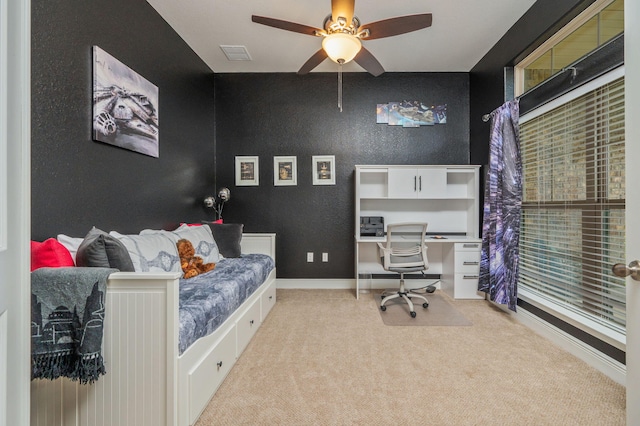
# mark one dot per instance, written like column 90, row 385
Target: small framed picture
column 247, row 172
column 323, row 167
column 285, row 171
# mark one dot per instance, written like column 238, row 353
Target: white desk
column 456, row 259
column 443, row 196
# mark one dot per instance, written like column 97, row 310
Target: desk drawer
column 468, row 247
column 467, row 262
column 466, row 287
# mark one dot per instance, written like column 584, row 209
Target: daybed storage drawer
column 247, row 325
column 268, row 300
column 209, row 374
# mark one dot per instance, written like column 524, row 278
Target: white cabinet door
column 432, row 183
column 403, row 183
column 421, row 182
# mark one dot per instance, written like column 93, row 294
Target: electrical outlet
column 325, row 257
column 309, row 256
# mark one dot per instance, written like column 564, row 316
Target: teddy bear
column 191, row 264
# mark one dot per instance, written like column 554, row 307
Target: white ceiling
column 463, row 31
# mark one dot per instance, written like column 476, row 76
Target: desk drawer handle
column 470, row 277
column 470, row 263
column 470, row 245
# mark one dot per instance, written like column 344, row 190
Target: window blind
column 573, row 210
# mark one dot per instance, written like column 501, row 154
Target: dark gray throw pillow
column 228, row 237
column 99, row 249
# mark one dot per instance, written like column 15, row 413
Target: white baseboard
column 596, row 359
column 345, row 283
column 603, row 363
column 315, row 283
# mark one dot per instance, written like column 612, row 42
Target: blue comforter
column 207, row 300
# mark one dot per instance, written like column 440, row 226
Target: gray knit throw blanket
column 67, row 318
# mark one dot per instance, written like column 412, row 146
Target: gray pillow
column 228, row 237
column 99, row 249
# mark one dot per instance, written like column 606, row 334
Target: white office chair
column 405, row 251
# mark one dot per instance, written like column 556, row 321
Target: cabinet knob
column 251, row 322
column 219, row 364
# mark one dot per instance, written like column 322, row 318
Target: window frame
column 519, row 69
column 609, row 335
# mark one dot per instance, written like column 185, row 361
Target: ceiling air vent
column 236, row 53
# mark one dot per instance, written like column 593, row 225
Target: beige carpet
column 324, row 358
column 438, row 313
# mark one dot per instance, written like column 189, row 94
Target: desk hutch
column 444, row 196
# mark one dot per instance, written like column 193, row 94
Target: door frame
column 632, row 153
column 15, row 286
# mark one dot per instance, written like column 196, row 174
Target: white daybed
column 147, row 381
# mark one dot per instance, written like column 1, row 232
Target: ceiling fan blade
column 313, row 61
column 366, row 60
column 342, row 8
column 285, row 25
column 395, row 26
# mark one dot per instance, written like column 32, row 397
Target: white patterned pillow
column 153, row 252
column 71, row 243
column 200, row 236
column 202, row 240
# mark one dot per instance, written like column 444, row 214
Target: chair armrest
column 385, row 255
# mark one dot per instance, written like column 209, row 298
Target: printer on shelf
column 371, row 226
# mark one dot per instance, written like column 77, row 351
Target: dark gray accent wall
column 78, row 183
column 269, row 115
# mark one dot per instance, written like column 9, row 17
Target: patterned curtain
column 502, row 202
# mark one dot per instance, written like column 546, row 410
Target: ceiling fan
column 343, row 35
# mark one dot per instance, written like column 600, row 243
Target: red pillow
column 198, row 224
column 49, row 253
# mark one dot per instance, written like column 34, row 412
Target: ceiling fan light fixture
column 341, row 48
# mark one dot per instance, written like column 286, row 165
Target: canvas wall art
column 125, row 106
column 410, row 114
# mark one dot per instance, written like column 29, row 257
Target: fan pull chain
column 340, row 87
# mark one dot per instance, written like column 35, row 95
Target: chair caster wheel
column 425, row 305
column 383, row 308
column 413, row 314
column 382, row 296
column 431, row 289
